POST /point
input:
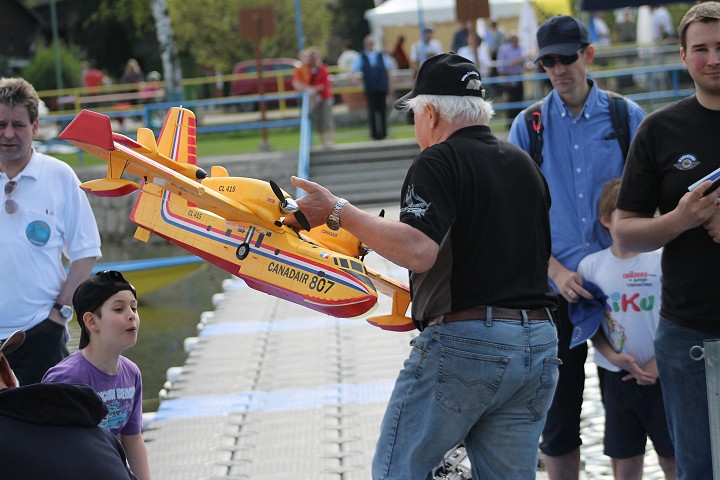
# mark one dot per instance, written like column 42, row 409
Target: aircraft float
column 234, row 222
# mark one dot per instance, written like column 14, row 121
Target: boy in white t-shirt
column 624, row 351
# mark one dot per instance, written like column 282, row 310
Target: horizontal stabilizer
column 109, row 187
column 400, row 294
column 394, row 323
column 91, row 128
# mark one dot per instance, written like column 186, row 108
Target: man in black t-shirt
column 670, row 156
column 474, row 233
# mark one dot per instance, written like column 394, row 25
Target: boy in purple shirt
column 106, row 307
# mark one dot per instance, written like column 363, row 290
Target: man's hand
column 569, row 283
column 693, row 209
column 713, row 224
column 317, row 205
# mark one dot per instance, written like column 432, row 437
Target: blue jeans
column 685, row 395
column 487, row 383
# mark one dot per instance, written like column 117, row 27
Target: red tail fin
column 91, row 128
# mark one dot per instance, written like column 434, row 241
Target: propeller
column 288, row 205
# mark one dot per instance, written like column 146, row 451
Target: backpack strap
column 620, row 121
column 533, row 121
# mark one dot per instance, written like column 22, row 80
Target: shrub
column 41, row 71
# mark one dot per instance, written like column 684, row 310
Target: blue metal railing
column 150, row 116
column 303, row 170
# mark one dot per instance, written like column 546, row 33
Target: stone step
column 365, row 175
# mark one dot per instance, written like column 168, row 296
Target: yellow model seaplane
column 234, row 222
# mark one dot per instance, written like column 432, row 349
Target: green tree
column 208, row 29
column 349, row 20
column 108, row 31
column 41, row 70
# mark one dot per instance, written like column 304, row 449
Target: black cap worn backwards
column 93, row 292
column 445, row 74
column 561, row 35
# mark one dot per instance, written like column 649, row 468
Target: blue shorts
column 632, row 413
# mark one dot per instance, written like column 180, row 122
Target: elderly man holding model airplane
column 474, row 233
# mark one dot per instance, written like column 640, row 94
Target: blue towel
column 587, row 315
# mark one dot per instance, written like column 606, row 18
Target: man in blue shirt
column 375, row 67
column 578, row 159
column 511, row 62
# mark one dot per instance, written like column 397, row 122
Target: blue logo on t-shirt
column 686, row 162
column 38, row 232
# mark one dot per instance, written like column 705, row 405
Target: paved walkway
column 272, row 390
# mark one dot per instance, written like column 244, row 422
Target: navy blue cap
column 561, row 35
column 587, row 315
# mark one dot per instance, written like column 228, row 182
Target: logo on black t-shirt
column 686, row 162
column 415, row 204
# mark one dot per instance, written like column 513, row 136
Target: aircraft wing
column 91, row 131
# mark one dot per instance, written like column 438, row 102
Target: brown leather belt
column 480, row 313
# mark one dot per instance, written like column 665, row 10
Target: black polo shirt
column 485, row 202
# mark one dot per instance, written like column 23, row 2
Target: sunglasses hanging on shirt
column 11, row 206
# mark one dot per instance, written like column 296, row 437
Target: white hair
column 459, row 110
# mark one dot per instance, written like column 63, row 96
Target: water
column 167, row 316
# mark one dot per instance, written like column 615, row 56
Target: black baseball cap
column 93, row 292
column 445, row 74
column 561, row 35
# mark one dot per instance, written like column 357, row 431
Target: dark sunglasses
column 549, row 61
column 11, row 206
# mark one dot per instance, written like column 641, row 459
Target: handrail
column 146, row 113
column 305, row 142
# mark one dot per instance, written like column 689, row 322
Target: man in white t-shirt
column 599, row 31
column 661, row 21
column 432, row 47
column 46, row 216
column 347, row 57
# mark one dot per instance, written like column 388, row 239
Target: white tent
column 405, row 12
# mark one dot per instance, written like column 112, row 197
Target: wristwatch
column 66, row 311
column 333, row 220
